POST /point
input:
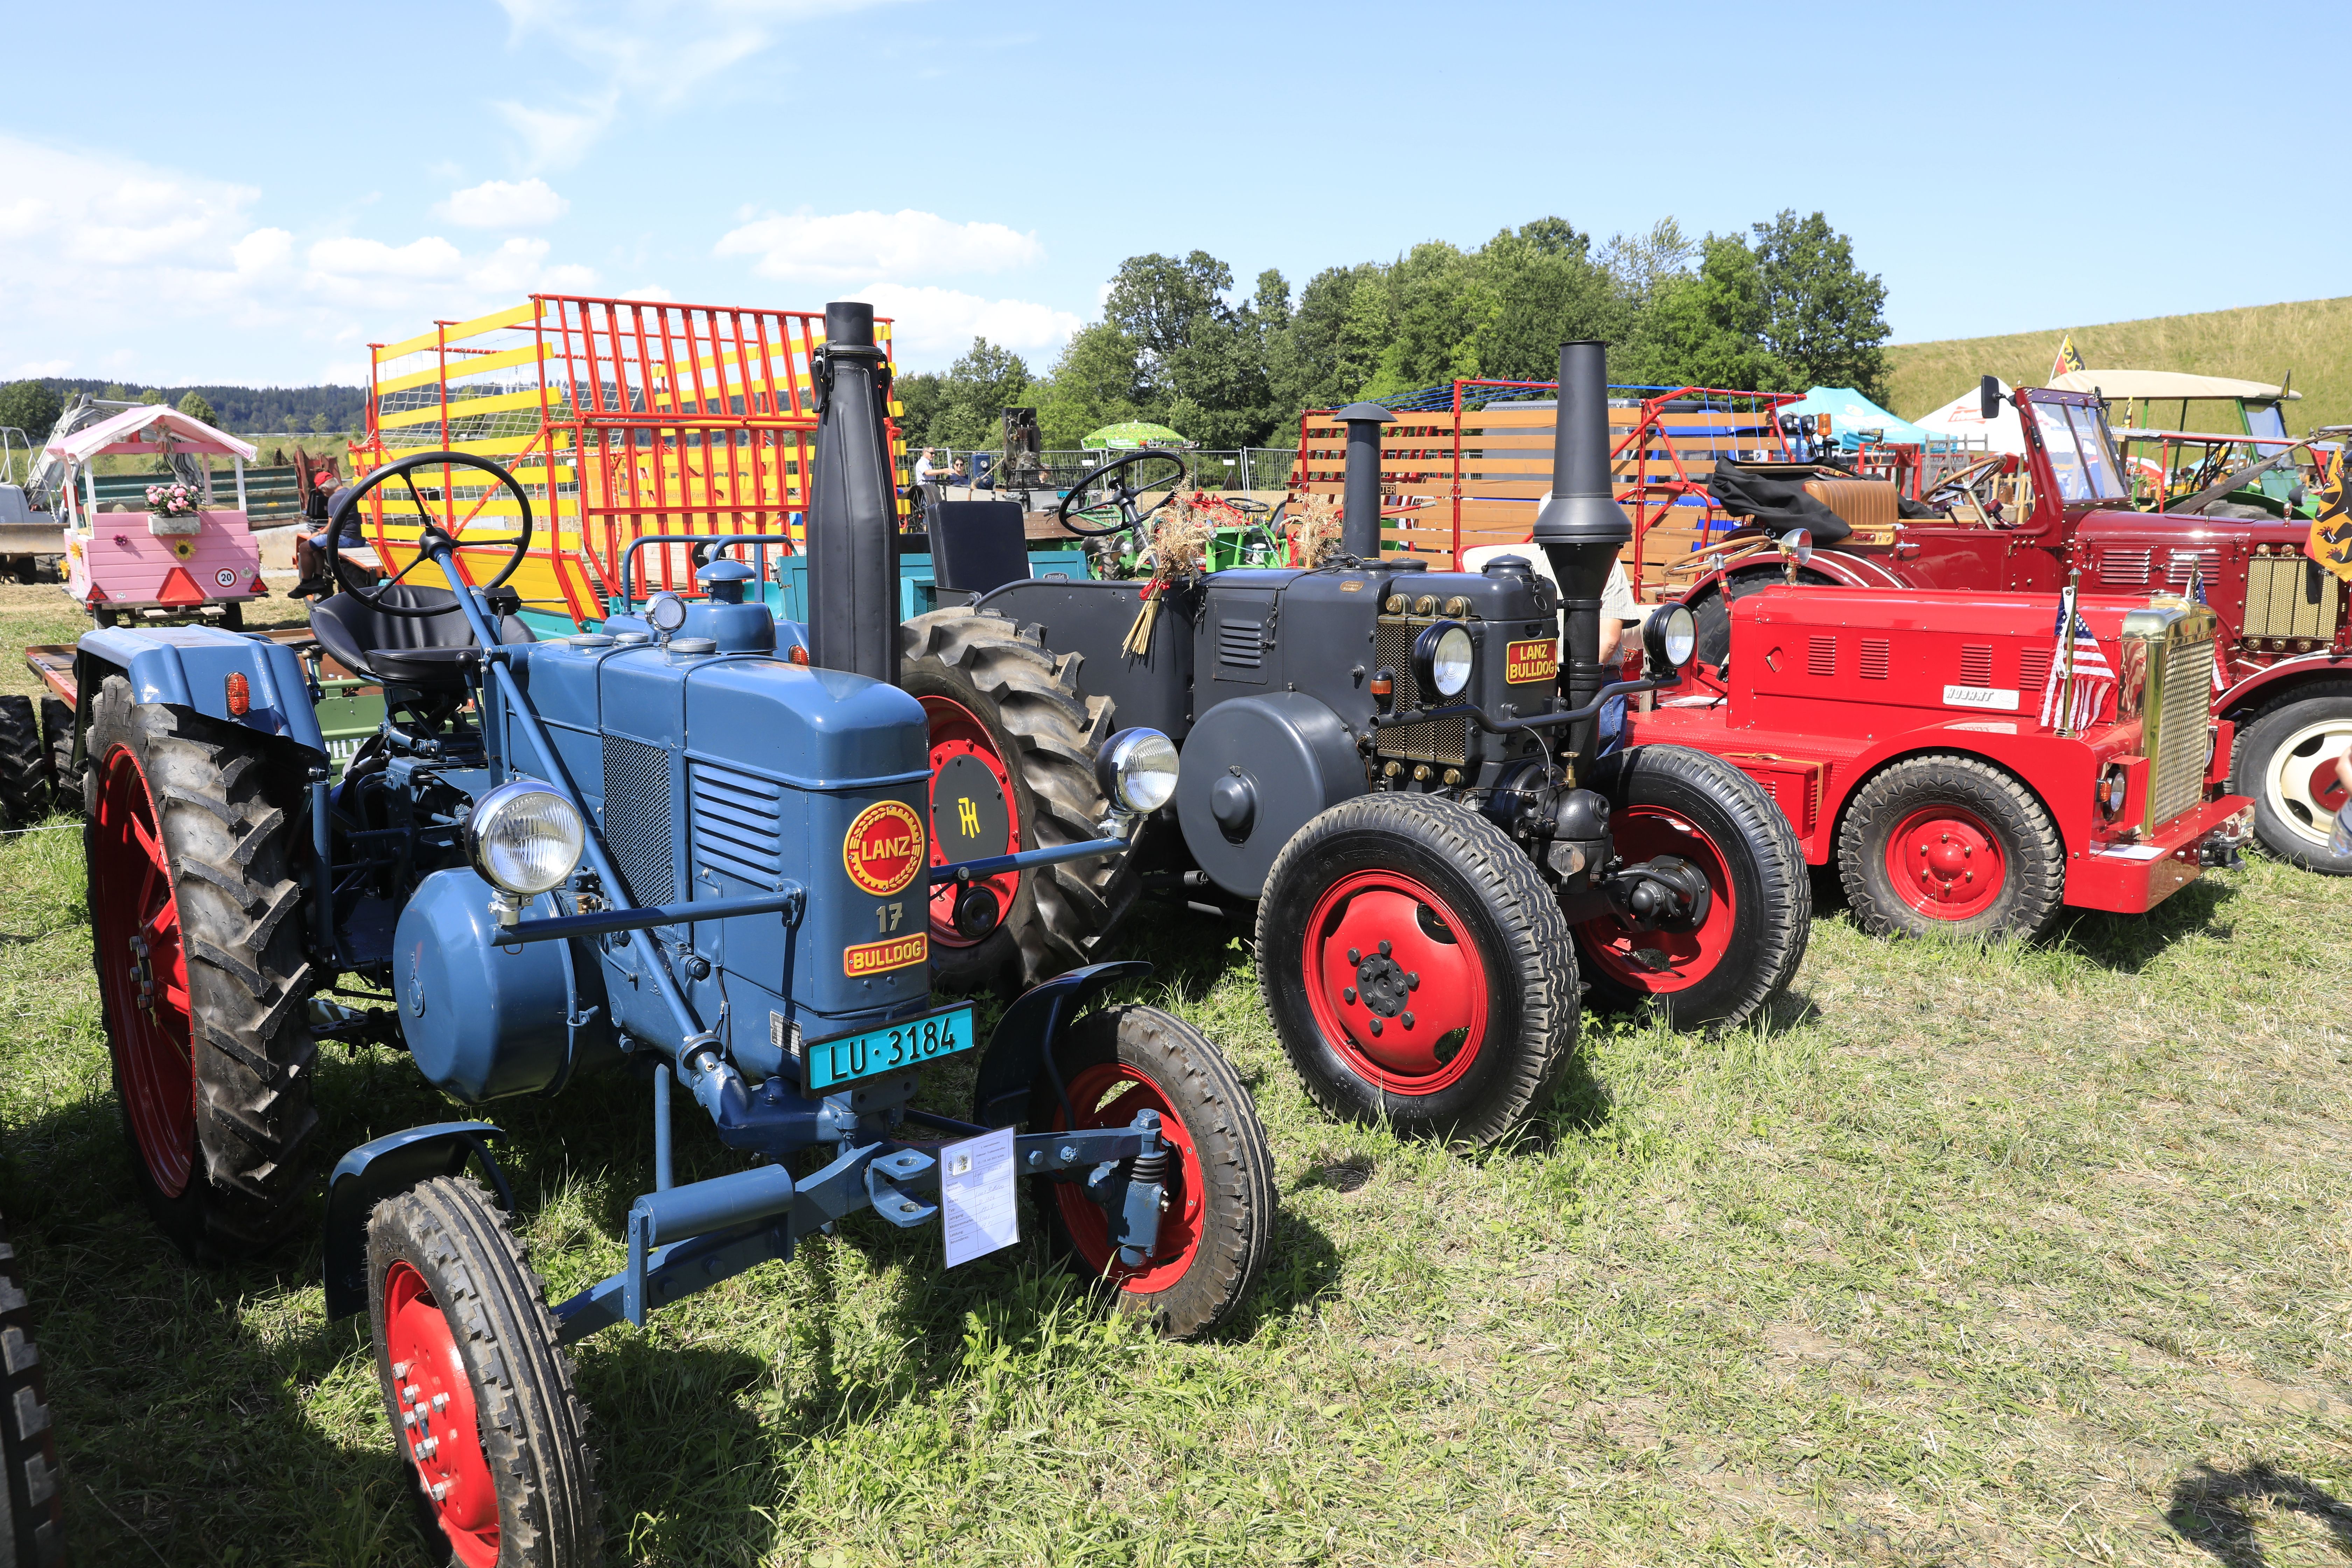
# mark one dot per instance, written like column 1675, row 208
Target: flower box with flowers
column 173, row 509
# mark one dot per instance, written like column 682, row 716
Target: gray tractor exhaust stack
column 853, row 517
column 1359, row 517
column 1581, row 528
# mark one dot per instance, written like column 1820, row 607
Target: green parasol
column 1134, row 433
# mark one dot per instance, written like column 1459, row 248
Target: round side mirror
column 1798, row 545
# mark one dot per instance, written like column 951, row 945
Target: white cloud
column 504, row 204
column 163, row 275
column 651, row 291
column 806, row 248
column 37, row 367
column 929, row 323
column 558, row 138
column 661, row 53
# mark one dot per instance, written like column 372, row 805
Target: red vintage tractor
column 2282, row 677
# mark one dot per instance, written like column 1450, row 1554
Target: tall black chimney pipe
column 853, row 519
column 1581, row 527
column 1360, row 518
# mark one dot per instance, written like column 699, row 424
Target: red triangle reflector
column 179, row 588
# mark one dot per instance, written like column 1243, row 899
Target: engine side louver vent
column 1976, row 664
column 1875, row 655
column 637, row 819
column 1821, row 655
column 735, row 824
column 2123, row 569
column 1241, row 644
column 2185, row 563
column 2033, row 669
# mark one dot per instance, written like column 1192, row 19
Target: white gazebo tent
column 1964, row 415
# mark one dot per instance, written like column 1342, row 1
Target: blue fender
column 381, row 1169
column 1017, row 1051
column 189, row 667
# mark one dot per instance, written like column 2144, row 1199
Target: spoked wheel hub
column 1110, row 1094
column 1946, row 862
column 440, row 1431
column 1394, row 985
column 142, row 964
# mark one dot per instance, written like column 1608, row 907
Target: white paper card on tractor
column 976, row 1196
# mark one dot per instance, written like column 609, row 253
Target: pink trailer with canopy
column 127, row 560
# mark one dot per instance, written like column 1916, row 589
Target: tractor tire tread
column 247, row 976
column 1055, row 732
column 533, row 1422
column 1785, row 882
column 23, row 764
column 2278, row 839
column 1229, row 1138
column 2039, row 864
column 1542, row 958
column 32, row 1496
column 58, row 737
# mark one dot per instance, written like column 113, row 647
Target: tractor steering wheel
column 373, row 596
column 1983, row 471
column 1122, row 494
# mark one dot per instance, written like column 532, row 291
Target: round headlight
column 524, row 837
column 665, row 613
column 1442, row 657
column 1670, row 637
column 1138, row 770
column 2115, row 786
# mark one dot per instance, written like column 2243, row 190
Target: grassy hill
column 2261, row 343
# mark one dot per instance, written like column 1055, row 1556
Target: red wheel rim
column 1661, row 961
column 445, row 1443
column 143, row 970
column 957, row 731
column 1394, row 984
column 1108, row 1094
column 1946, row 862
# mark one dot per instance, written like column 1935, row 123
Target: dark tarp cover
column 1775, row 506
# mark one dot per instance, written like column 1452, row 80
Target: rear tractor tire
column 475, row 1385
column 1012, row 749
column 1217, row 1217
column 2286, row 764
column 195, row 920
column 57, row 741
column 24, row 767
column 1673, row 801
column 1952, row 845
column 31, row 1499
column 1418, row 968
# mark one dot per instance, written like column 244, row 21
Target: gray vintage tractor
column 1396, row 766
column 661, row 848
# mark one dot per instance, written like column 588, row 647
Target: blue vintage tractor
column 660, row 847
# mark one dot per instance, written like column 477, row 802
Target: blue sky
column 254, row 197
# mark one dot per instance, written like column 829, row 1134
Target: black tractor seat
column 433, row 653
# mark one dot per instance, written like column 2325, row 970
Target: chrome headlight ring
column 524, row 837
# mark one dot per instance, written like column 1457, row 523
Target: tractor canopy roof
column 2168, row 384
column 150, row 429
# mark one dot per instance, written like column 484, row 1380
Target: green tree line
column 1782, row 308
column 33, row 406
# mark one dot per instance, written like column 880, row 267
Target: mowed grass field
column 2261, row 343
column 1964, row 1257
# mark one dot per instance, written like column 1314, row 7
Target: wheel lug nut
column 1385, row 949
column 440, row 1402
column 1355, row 957
column 1411, row 980
column 438, row 1490
column 1348, row 994
column 399, row 1370
column 1406, row 1020
column 1376, row 1025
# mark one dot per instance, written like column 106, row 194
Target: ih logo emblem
column 968, row 816
column 1535, row 660
column 884, row 849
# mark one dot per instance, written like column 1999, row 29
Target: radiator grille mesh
column 2291, row 597
column 637, row 818
column 2176, row 759
column 1441, row 741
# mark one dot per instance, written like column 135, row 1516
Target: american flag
column 2095, row 678
column 2220, row 664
